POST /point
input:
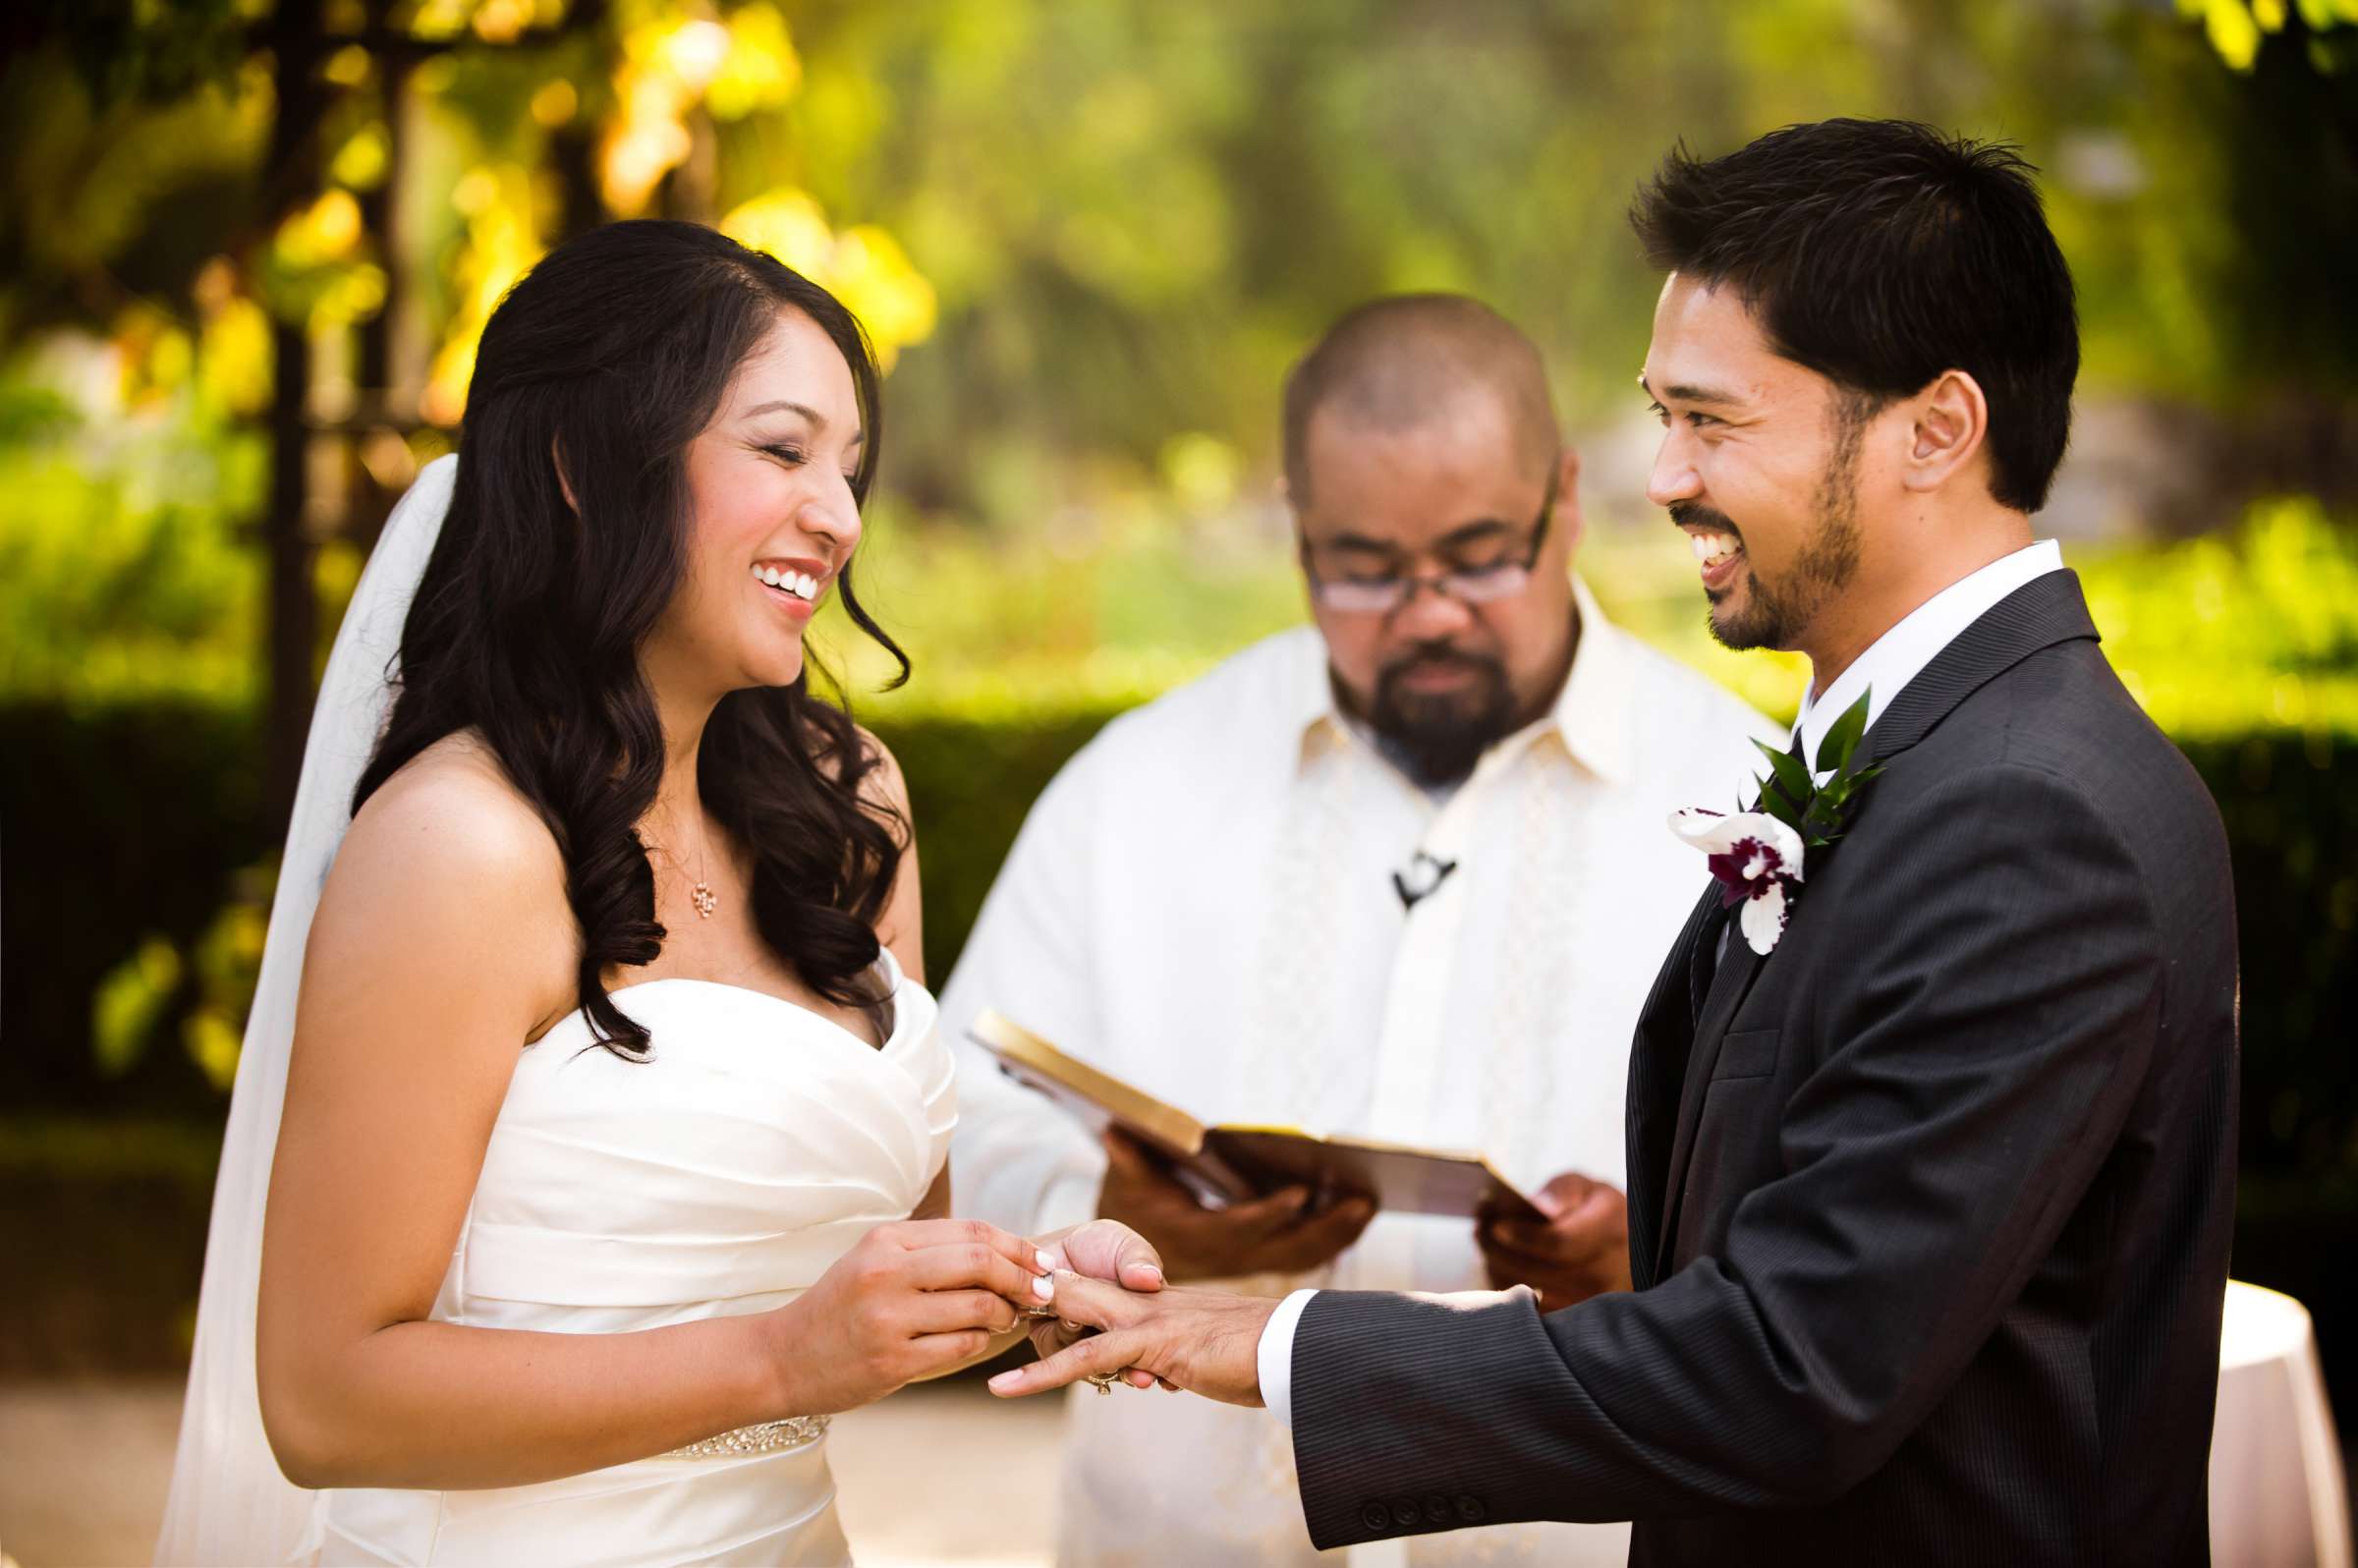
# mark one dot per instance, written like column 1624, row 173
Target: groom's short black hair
column 1879, row 254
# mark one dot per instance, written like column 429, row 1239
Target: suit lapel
column 2042, row 612
column 1657, row 1062
column 1738, row 968
column 1703, row 962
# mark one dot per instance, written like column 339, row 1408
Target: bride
column 612, row 1155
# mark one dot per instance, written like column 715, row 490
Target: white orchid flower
column 1757, row 860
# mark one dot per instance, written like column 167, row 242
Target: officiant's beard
column 1437, row 739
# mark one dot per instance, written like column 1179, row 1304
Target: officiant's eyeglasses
column 1470, row 583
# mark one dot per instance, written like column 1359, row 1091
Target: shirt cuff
column 1276, row 1357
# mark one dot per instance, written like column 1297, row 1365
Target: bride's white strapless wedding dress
column 722, row 1177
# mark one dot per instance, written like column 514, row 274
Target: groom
column 1928, row 1203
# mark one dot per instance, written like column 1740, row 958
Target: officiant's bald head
column 1408, row 360
column 1435, row 507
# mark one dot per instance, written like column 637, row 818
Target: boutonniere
column 1757, row 855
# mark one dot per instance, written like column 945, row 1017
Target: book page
column 1401, row 1178
column 1093, row 1095
column 1232, row 1163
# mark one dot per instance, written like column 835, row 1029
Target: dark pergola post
column 375, row 371
column 298, row 41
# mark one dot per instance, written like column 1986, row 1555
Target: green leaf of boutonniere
column 1792, row 793
column 1842, row 741
column 1787, row 777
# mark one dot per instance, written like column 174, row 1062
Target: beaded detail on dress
column 762, row 1437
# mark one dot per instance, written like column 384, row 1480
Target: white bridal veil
column 229, row 1502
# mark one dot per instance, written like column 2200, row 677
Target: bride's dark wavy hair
column 615, row 352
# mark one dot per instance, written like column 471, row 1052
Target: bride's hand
column 911, row 1300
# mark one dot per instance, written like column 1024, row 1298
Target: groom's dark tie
column 1711, row 941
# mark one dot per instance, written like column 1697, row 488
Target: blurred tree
column 307, row 210
column 1096, row 232
column 175, row 96
column 1136, row 214
column 2289, row 132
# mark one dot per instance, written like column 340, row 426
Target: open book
column 1229, row 1165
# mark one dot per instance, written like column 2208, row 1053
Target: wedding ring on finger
column 1102, row 1383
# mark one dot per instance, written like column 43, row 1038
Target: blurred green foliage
column 2237, row 28
column 125, row 476
column 146, row 971
column 129, row 1004
column 1135, row 215
column 1086, row 226
column 131, row 586
column 2235, row 633
column 1095, row 235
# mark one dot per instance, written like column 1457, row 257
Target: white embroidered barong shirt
column 1202, row 903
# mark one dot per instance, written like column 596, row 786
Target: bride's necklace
column 700, row 892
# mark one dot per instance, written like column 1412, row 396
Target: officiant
column 1401, row 873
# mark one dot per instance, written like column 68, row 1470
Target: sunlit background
column 245, row 250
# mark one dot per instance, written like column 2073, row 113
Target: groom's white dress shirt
column 1883, row 671
column 1202, row 903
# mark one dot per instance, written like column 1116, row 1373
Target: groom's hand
column 1284, row 1233
column 1101, row 1249
column 1203, row 1341
column 1106, row 1248
column 1581, row 1251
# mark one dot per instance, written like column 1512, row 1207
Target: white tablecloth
column 2279, row 1496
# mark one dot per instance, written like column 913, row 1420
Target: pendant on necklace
column 701, row 894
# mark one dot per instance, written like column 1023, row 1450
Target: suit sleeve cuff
column 1276, row 1357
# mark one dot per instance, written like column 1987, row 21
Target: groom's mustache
column 1695, row 515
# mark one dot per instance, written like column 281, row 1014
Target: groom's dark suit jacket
column 1929, row 1210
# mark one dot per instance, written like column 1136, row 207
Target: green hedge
column 117, row 822
column 127, row 821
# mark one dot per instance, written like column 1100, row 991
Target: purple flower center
column 1748, row 870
